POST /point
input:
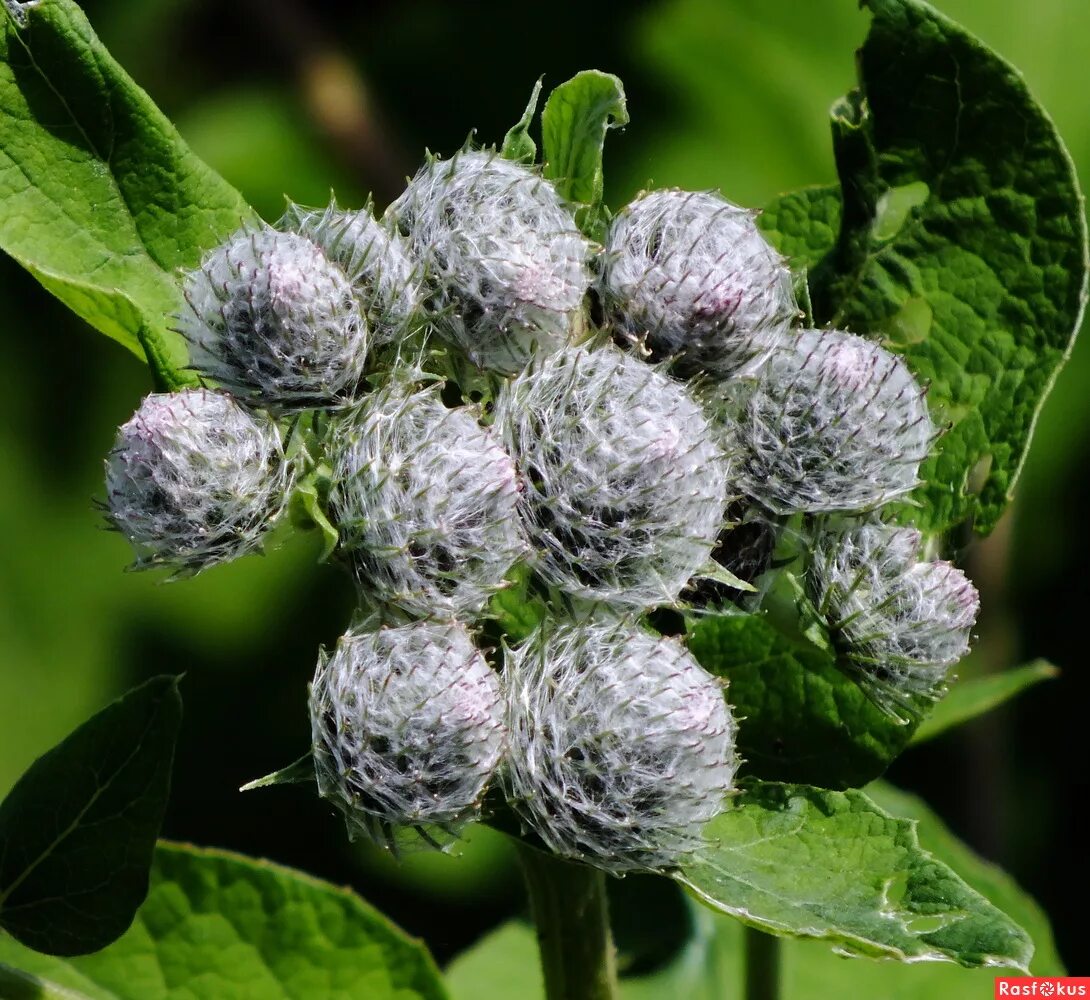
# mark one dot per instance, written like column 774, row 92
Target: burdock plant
column 541, row 437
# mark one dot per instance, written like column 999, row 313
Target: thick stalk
column 762, row 965
column 570, row 910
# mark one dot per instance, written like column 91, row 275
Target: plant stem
column 762, row 965
column 571, row 913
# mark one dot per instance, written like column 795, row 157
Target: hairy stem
column 762, row 965
column 572, row 918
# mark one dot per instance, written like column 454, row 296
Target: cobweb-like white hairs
column 900, row 623
column 831, row 422
column 621, row 745
column 624, row 486
column 376, row 261
column 407, row 728
column 194, row 479
column 691, row 273
column 272, row 318
column 502, row 255
column 425, row 500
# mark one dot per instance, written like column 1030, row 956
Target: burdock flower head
column 375, row 260
column 831, row 422
column 691, row 274
column 274, row 320
column 624, row 485
column 898, row 622
column 407, row 729
column 194, row 479
column 425, row 499
column 502, row 257
column 622, row 746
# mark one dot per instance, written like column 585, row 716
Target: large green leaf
column 78, row 830
column 962, row 245
column 102, row 200
column 805, row 862
column 803, row 225
column 574, row 123
column 988, row 879
column 976, row 695
column 220, row 925
column 802, row 719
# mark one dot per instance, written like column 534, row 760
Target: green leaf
column 220, row 925
column 514, row 613
column 963, row 246
column 517, row 144
column 972, row 697
column 803, row 225
column 805, row 862
column 802, row 719
column 989, row 880
column 103, row 201
column 79, row 827
column 574, row 123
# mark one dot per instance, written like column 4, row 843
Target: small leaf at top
column 806, row 862
column 517, row 144
column 103, row 201
column 574, row 123
column 78, row 830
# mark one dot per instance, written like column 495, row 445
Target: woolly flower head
column 272, row 318
column 407, row 728
column 624, row 486
column 194, row 479
column 426, row 502
column 831, row 422
column 375, row 260
column 621, row 745
column 692, row 274
column 900, row 623
column 502, row 255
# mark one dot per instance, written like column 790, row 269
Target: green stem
column 762, row 965
column 571, row 913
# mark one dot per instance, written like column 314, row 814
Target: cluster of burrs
column 599, row 462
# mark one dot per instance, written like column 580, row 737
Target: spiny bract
column 900, row 623
column 624, row 485
column 691, row 274
column 376, row 262
column 273, row 319
column 621, row 748
column 425, row 499
column 407, row 728
column 831, row 422
column 194, row 479
column 503, row 258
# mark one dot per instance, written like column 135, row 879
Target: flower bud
column 691, row 274
column 503, row 258
column 425, row 499
column 274, row 320
column 376, row 261
column 831, row 422
column 898, row 623
column 407, row 729
column 621, row 745
column 194, row 479
column 624, row 486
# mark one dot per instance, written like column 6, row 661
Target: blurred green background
column 294, row 97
